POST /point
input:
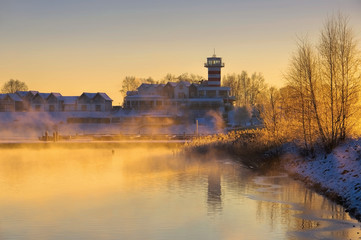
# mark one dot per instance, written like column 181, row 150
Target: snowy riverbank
column 336, row 175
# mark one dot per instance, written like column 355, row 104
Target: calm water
column 151, row 193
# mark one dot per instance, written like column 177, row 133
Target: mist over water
column 152, row 192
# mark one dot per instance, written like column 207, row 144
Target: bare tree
column 340, row 74
column 12, row 86
column 247, row 90
column 324, row 84
column 130, row 83
column 192, row 78
column 169, row 78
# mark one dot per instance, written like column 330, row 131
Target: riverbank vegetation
column 317, row 108
column 251, row 146
column 320, row 100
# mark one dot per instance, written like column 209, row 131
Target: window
column 181, row 95
column 211, row 93
column 37, row 107
column 223, row 93
column 51, row 108
column 98, row 108
column 83, row 108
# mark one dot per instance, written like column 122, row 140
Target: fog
column 40, row 173
column 19, row 126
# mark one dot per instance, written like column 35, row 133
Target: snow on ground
column 337, row 175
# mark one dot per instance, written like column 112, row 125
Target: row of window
column 84, row 108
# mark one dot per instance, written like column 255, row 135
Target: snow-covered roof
column 173, row 84
column 144, row 96
column 148, row 85
column 70, row 99
column 89, row 95
column 25, row 93
column 185, row 83
column 105, row 96
column 2, row 96
column 22, row 93
column 14, row 97
column 132, row 93
column 43, row 95
column 57, row 95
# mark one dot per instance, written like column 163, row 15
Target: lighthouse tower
column 214, row 65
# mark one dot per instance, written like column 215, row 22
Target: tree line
column 131, row 83
column 318, row 106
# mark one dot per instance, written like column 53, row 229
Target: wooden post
column 197, row 127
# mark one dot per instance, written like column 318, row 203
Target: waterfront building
column 184, row 96
column 24, row 101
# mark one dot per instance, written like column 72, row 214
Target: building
column 25, row 101
column 184, row 96
column 11, row 102
column 214, row 65
column 94, row 102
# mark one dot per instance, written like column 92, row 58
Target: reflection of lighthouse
column 214, row 190
column 214, row 65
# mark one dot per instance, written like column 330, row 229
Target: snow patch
column 338, row 173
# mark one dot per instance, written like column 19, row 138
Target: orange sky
column 76, row 46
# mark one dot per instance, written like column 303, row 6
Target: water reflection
column 214, row 199
column 151, row 193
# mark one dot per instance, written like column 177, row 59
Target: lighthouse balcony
column 216, row 64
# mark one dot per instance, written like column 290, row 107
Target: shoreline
column 37, row 144
column 336, row 176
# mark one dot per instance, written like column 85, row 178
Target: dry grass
column 254, row 147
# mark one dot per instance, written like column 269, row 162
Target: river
column 151, row 192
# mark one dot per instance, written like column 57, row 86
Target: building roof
column 24, row 93
column 43, row 95
column 187, row 84
column 2, row 96
column 89, row 95
column 14, row 97
column 132, row 93
column 105, row 96
column 57, row 95
column 173, row 84
column 145, row 97
column 70, row 99
column 148, row 85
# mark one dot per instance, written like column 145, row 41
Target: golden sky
column 75, row 46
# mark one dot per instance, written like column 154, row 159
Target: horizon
column 73, row 47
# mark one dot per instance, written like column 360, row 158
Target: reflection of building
column 23, row 101
column 205, row 95
column 214, row 199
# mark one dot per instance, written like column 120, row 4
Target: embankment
column 336, row 175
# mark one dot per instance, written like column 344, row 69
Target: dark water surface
column 152, row 193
